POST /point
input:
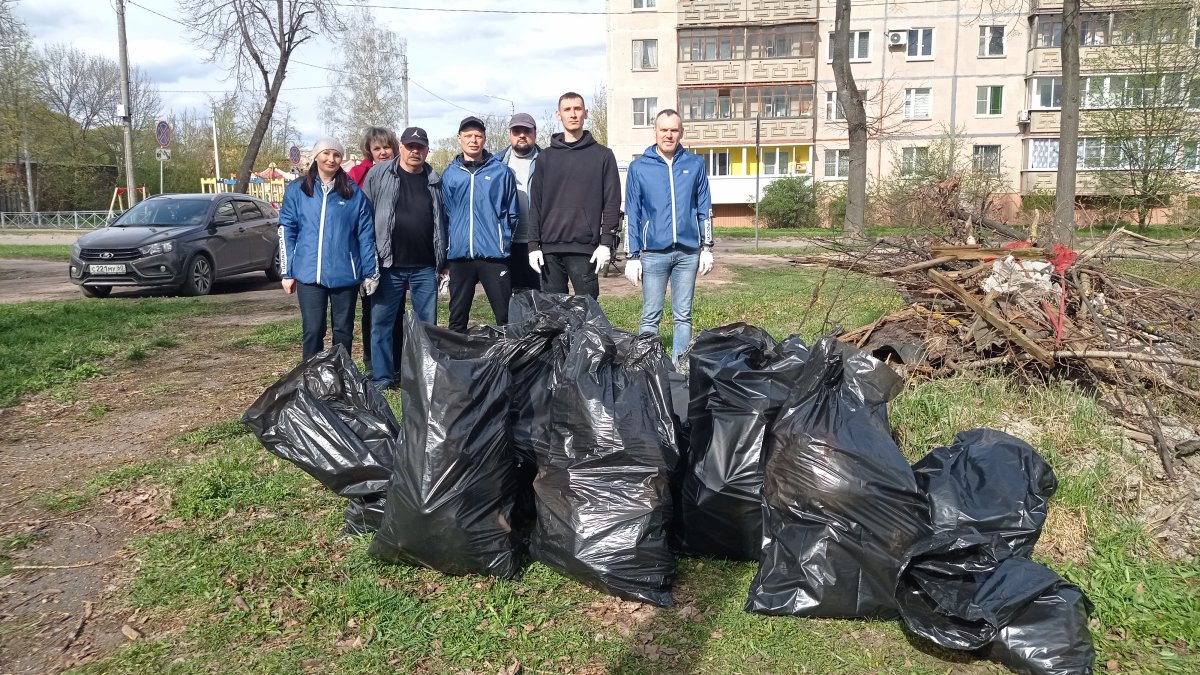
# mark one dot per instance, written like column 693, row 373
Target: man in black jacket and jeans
column 574, row 204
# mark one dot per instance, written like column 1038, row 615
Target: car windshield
column 165, row 212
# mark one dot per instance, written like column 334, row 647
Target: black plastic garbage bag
column 991, row 482
column 451, row 495
column 324, row 417
column 603, row 484
column 967, row 590
column 572, row 311
column 364, row 515
column 738, row 376
column 841, row 504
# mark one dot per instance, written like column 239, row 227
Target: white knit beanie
column 328, row 143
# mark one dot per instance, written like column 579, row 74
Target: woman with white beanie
column 328, row 236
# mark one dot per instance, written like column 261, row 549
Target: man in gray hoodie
column 521, row 159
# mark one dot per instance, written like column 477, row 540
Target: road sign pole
column 160, row 176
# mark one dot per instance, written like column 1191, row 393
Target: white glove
column 706, row 262
column 633, row 271
column 536, row 261
column 370, row 284
column 444, row 285
column 600, row 256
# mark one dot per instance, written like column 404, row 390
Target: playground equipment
column 266, row 185
column 117, row 203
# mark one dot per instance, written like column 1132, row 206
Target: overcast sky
column 459, row 56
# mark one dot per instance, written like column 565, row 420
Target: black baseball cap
column 414, row 135
column 472, row 121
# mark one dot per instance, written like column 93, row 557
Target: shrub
column 789, row 202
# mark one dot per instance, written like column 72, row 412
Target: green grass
column 53, row 345
column 1183, row 277
column 720, row 233
column 52, row 252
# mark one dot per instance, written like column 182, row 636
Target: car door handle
column 241, row 229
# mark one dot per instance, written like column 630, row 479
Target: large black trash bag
column 574, row 311
column 738, row 377
column 451, row 495
column 603, row 483
column 991, row 482
column 325, row 417
column 968, row 590
column 841, row 504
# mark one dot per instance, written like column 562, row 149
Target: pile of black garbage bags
column 565, row 440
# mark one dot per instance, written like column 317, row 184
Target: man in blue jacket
column 480, row 195
column 670, row 238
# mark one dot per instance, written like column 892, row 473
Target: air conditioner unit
column 1023, row 117
column 897, row 38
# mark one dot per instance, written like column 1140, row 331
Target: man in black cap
column 410, row 238
column 521, row 159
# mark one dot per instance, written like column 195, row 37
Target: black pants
column 318, row 305
column 497, row 284
column 574, row 266
column 519, row 270
column 397, row 334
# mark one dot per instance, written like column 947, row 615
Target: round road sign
column 294, row 154
column 162, row 131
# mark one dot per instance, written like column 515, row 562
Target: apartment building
column 988, row 73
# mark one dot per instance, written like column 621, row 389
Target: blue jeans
column 314, row 302
column 679, row 267
column 386, row 303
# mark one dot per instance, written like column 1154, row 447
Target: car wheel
column 96, row 291
column 199, row 280
column 273, row 271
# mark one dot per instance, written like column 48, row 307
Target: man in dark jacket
column 410, row 238
column 521, row 159
column 481, row 203
column 575, row 205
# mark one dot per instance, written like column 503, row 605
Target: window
column 247, row 210
column 645, row 54
column 989, row 100
column 860, row 45
column 712, row 44
column 1191, row 156
column 1048, row 32
column 786, row 41
column 986, row 159
column 837, row 163
column 1043, row 154
column 716, row 162
column 833, row 108
column 781, row 101
column 644, row 110
column 920, row 43
column 913, row 160
column 776, row 162
column 1093, row 29
column 991, row 40
column 225, row 211
column 1047, row 92
column 916, row 104
column 644, row 4
column 712, row 104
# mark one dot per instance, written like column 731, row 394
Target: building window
column 1191, row 156
column 1043, row 154
column 1048, row 32
column 1093, row 29
column 837, row 163
column 989, row 100
column 986, row 159
column 645, row 54
column 920, row 43
column 913, row 160
column 860, row 45
column 1047, row 92
column 917, row 104
column 788, row 41
column 712, row 44
column 716, row 162
column 776, row 162
column 991, row 40
column 644, row 110
column 645, row 4
column 737, row 103
column 833, row 107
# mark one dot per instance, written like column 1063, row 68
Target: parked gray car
column 183, row 241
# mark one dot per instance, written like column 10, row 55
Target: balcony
column 737, row 189
column 753, row 70
column 1044, row 121
column 1046, row 181
column 1092, row 5
column 774, row 130
column 1108, row 58
column 724, row 12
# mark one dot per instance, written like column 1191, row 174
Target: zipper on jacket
column 674, row 218
column 470, row 213
column 321, row 232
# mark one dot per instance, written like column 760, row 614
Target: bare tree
column 368, row 92
column 851, row 100
column 260, row 36
column 18, row 66
column 80, row 87
column 1063, row 229
column 598, row 115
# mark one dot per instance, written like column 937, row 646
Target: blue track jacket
column 482, row 208
column 667, row 205
column 327, row 239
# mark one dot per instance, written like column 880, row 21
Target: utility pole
column 404, row 79
column 124, row 111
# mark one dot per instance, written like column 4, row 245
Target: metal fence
column 53, row 220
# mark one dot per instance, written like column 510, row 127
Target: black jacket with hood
column 575, row 203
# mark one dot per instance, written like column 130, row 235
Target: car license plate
column 106, row 269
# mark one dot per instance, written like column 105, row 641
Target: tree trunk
column 855, row 113
column 260, row 129
column 1063, row 229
